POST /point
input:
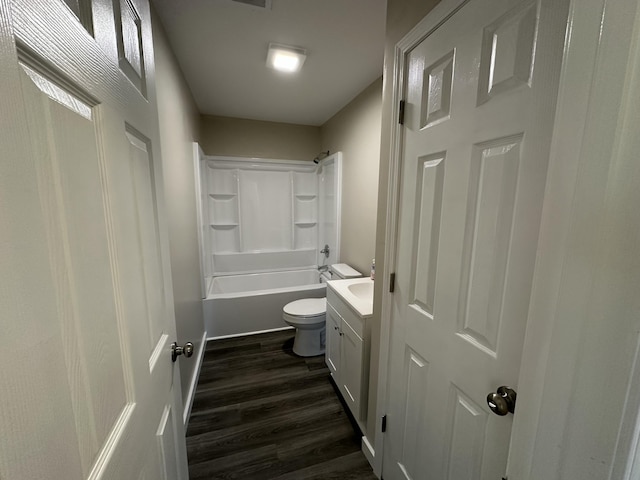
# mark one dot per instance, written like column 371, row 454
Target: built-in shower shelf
column 306, row 224
column 222, row 196
column 224, row 225
column 306, row 197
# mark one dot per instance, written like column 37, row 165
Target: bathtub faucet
column 323, row 268
column 325, row 250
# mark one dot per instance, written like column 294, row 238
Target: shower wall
column 263, row 215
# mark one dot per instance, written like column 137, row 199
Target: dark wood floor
column 260, row 412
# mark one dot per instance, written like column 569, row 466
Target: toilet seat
column 307, row 311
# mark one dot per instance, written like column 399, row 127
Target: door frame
column 585, row 62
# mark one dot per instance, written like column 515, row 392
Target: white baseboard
column 221, row 337
column 194, row 381
column 368, row 451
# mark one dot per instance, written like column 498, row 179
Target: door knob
column 503, row 401
column 177, row 350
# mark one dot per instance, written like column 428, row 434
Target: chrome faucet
column 325, row 250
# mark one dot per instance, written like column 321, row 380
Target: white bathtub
column 244, row 304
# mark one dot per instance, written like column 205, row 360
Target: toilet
column 308, row 315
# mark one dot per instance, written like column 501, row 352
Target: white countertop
column 356, row 292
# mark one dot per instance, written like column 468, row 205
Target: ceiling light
column 285, row 58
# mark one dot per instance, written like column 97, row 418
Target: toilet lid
column 307, row 307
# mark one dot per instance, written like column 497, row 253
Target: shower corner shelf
column 306, row 224
column 223, row 196
column 305, row 196
column 223, row 225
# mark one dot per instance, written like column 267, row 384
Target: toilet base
column 309, row 343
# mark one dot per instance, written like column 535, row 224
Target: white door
column 480, row 99
column 89, row 388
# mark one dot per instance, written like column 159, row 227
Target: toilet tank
column 342, row 270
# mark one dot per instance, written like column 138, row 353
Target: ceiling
column 221, row 46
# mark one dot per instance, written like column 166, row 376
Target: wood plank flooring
column 260, row 412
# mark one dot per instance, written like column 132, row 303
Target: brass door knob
column 503, row 401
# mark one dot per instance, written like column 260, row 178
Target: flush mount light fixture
column 285, row 58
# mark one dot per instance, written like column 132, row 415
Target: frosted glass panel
column 265, row 210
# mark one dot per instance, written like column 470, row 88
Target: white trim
column 425, row 27
column 244, row 334
column 249, row 163
column 368, row 451
column 336, row 158
column 194, row 381
column 198, row 154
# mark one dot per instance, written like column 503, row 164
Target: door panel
column 490, row 207
column 430, row 180
column 166, row 446
column 148, row 246
column 351, row 369
column 63, row 133
column 480, row 94
column 466, row 436
column 334, row 322
column 414, row 388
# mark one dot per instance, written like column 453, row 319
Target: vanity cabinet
column 347, row 354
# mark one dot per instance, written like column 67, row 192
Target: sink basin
column 357, row 293
column 363, row 291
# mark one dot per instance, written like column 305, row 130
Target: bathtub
column 252, row 303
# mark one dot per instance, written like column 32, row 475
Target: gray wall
column 179, row 118
column 355, row 131
column 240, row 137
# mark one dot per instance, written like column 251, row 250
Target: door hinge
column 392, row 282
column 384, row 424
column 401, row 113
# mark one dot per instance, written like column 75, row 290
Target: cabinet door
column 351, row 369
column 332, row 349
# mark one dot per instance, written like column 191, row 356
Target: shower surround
column 263, row 224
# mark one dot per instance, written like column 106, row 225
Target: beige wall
column 240, row 137
column 402, row 16
column 179, row 118
column 355, row 131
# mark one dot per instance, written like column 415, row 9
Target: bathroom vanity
column 349, row 308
